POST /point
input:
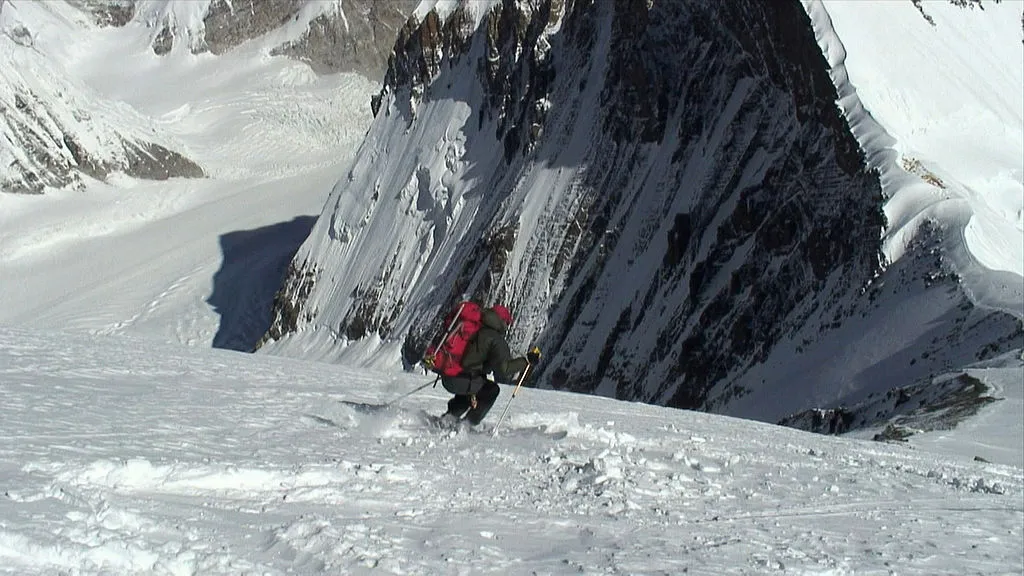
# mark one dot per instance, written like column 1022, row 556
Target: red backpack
column 460, row 326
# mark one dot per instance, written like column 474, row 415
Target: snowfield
column 120, row 456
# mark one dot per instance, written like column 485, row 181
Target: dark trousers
column 461, row 404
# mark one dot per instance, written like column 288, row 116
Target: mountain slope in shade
column 668, row 197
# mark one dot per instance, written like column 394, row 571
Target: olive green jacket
column 488, row 351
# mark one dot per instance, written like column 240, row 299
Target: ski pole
column 522, row 378
column 407, row 394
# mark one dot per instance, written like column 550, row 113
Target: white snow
column 443, row 8
column 150, row 258
column 939, row 107
column 123, row 452
column 41, row 98
column 122, row 456
column 996, row 434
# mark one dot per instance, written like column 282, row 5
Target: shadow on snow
column 252, row 270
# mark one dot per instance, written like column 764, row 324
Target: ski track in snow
column 123, row 457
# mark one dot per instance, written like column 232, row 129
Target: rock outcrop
column 345, row 36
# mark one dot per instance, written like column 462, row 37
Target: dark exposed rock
column 117, row 14
column 822, row 421
column 894, row 433
column 86, row 163
column 55, row 156
column 21, row 36
column 144, row 160
column 519, row 72
column 46, row 166
column 365, row 318
column 290, row 302
column 353, row 36
column 418, row 51
column 163, row 43
column 229, row 23
column 360, row 42
column 678, row 240
column 929, row 405
column 114, row 13
column 154, row 162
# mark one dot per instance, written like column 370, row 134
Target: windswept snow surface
column 118, row 456
column 935, row 94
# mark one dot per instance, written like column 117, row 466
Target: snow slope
column 997, row 433
column 55, row 128
column 120, row 456
column 122, row 452
column 194, row 261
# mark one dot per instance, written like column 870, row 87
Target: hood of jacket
column 491, row 319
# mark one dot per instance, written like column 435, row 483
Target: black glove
column 533, row 356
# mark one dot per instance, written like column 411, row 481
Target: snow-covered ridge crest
column 330, row 35
column 667, row 196
column 945, row 129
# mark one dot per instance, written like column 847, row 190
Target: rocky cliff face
column 665, row 194
column 107, row 12
column 43, row 150
column 360, row 42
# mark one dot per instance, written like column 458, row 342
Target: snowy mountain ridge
column 57, row 130
column 940, row 160
column 557, row 148
column 330, row 35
